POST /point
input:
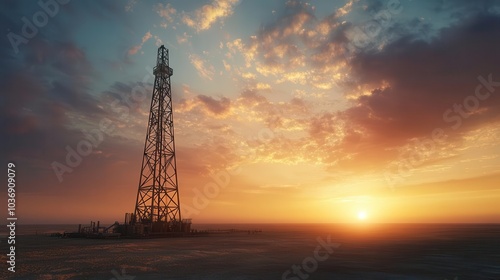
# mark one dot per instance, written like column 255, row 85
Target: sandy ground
column 382, row 252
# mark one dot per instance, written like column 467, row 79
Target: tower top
column 162, row 68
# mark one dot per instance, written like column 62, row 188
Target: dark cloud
column 425, row 79
column 77, row 99
column 46, row 88
column 135, row 96
column 217, row 107
column 251, row 97
column 413, row 81
column 323, row 125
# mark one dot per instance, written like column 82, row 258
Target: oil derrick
column 157, row 207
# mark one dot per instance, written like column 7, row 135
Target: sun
column 362, row 215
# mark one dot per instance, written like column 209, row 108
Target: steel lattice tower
column 157, row 203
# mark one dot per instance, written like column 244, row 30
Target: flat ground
column 365, row 252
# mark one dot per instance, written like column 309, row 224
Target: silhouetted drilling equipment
column 157, row 210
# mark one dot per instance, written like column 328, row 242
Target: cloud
column 135, row 49
column 281, row 117
column 263, row 86
column 206, row 16
column 345, row 9
column 146, row 37
column 49, row 100
column 216, row 107
column 183, row 38
column 397, row 92
column 216, row 156
column 209, row 106
column 397, row 95
column 167, row 12
column 298, row 47
column 46, row 102
column 425, row 79
column 158, row 41
column 204, row 69
column 407, row 90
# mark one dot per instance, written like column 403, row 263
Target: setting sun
column 362, row 215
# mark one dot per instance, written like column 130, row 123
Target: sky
column 284, row 111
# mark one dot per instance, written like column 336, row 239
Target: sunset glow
column 362, row 215
column 284, row 111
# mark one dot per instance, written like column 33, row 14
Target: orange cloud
column 204, row 69
column 203, row 18
column 183, row 38
column 166, row 12
column 216, row 107
column 135, row 49
column 210, row 106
